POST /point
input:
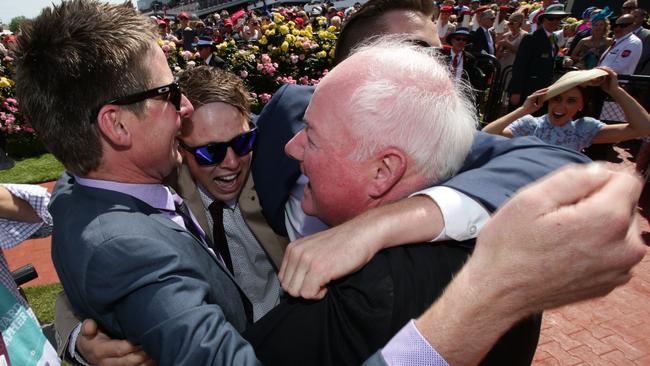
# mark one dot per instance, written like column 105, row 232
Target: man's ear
column 112, row 127
column 388, row 169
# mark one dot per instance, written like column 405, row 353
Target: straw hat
column 572, row 79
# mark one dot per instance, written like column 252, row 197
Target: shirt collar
column 153, row 194
column 624, row 37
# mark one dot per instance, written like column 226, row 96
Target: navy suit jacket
column 494, row 170
column 480, row 42
column 534, row 65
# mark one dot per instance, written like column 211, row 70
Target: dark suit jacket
column 480, row 42
column 364, row 310
column 471, row 72
column 217, row 61
column 534, row 65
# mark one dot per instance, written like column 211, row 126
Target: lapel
column 249, row 204
column 186, row 188
column 183, row 183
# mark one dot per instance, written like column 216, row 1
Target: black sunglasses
column 460, row 39
column 621, row 25
column 214, row 152
column 173, row 92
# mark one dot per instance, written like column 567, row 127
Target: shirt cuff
column 72, row 346
column 463, row 216
column 409, row 348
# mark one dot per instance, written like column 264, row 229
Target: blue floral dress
column 575, row 135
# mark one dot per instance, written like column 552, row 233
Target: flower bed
column 285, row 54
column 20, row 136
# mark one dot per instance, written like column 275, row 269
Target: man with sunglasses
column 536, row 58
column 463, row 64
column 624, row 54
column 217, row 147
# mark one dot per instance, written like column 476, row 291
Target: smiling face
column 155, row 148
column 218, row 122
column 336, row 188
column 562, row 108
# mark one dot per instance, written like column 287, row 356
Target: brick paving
column 613, row 330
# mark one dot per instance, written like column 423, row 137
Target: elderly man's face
column 337, row 184
column 213, row 123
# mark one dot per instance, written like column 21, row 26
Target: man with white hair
column 389, row 137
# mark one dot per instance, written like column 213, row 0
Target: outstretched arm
column 518, row 268
column 532, row 104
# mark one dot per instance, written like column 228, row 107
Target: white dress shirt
column 463, row 217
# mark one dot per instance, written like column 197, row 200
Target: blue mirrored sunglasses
column 214, row 152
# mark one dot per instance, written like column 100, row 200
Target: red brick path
column 614, row 330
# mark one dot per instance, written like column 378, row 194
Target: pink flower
column 254, row 95
column 266, row 59
column 301, row 57
column 294, row 59
column 243, row 74
column 265, row 97
column 304, row 80
column 165, row 48
column 12, row 100
column 260, row 67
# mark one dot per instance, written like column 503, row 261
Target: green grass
column 42, row 299
column 38, row 169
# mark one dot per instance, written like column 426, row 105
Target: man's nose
column 295, row 147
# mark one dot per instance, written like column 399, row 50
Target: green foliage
column 43, row 168
column 15, row 23
column 42, row 299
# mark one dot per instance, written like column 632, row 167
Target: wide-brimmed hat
column 462, row 31
column 553, row 10
column 572, row 79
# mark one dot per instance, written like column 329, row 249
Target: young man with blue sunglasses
column 217, row 147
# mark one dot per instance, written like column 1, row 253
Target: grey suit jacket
column 643, row 67
column 144, row 278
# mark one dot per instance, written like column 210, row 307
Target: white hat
column 572, row 79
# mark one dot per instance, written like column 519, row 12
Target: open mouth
column 227, row 182
column 558, row 115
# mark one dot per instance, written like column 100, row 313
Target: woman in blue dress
column 558, row 126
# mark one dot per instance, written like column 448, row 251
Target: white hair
column 409, row 100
